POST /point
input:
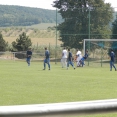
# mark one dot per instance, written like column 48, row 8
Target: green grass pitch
column 20, row 84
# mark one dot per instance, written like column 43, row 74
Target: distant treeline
column 11, row 15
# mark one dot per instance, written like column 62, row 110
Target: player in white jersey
column 78, row 57
column 64, row 58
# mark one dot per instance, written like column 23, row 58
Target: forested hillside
column 11, row 15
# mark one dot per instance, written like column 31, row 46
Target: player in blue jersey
column 28, row 54
column 47, row 59
column 70, row 59
column 84, row 58
column 112, row 59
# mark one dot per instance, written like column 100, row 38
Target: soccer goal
column 99, row 50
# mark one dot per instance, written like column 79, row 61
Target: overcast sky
column 45, row 4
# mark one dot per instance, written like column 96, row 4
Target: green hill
column 11, row 15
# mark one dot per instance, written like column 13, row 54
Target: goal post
column 99, row 50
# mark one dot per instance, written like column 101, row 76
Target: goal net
column 99, row 50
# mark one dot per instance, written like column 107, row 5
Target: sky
column 45, row 4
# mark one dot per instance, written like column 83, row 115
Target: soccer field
column 21, row 84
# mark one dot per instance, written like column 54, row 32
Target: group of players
column 67, row 58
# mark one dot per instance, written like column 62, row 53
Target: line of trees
column 84, row 19
column 11, row 15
